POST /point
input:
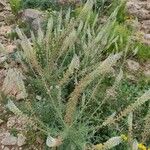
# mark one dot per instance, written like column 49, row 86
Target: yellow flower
column 98, row 147
column 129, row 17
column 149, row 148
column 124, row 137
column 141, row 146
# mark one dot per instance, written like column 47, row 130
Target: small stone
column 1, row 121
column 6, row 148
column 131, row 77
column 132, row 7
column 14, row 85
column 4, row 30
column 34, row 18
column 2, row 17
column 11, row 122
column 148, row 6
column 30, row 14
column 2, row 146
column 3, row 58
column 147, row 36
column 2, row 5
column 111, row 92
column 37, row 23
column 10, row 48
column 138, row 10
column 21, row 140
column 143, row 14
column 147, row 73
column 39, row 140
column 9, row 140
column 146, row 26
column 133, row 65
column 38, row 97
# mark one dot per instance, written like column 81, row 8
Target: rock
column 30, row 14
column 33, row 17
column 1, row 121
column 2, row 5
column 148, row 6
column 145, row 26
column 3, row 58
column 132, row 7
column 143, row 14
column 2, row 2
column 147, row 73
column 133, row 65
column 147, row 64
column 13, row 84
column 138, row 10
column 10, row 48
column 37, row 23
column 19, row 123
column 6, row 148
column 2, row 17
column 21, row 140
column 39, row 140
column 38, row 97
column 53, row 142
column 131, row 77
column 9, row 140
column 4, row 30
column 11, row 122
column 147, row 36
column 2, row 76
column 111, row 92
column 2, row 147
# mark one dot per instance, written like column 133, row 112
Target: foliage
column 143, row 51
column 44, row 4
column 122, row 34
column 122, row 11
column 15, row 5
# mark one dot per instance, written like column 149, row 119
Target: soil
column 140, row 9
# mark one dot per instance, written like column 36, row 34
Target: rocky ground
column 5, row 25
column 10, row 140
column 141, row 10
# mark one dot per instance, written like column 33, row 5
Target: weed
column 16, row 6
column 143, row 51
column 14, row 132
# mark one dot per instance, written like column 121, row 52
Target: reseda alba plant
column 68, row 66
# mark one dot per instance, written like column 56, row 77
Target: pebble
column 21, row 140
column 6, row 148
column 11, row 122
column 10, row 48
column 133, row 65
column 2, row 147
column 1, row 121
column 147, row 36
column 147, row 73
column 9, row 140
